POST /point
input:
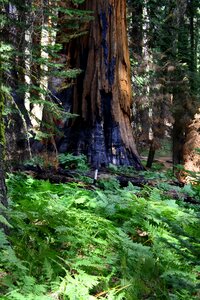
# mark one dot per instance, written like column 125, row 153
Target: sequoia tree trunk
column 191, row 156
column 102, row 94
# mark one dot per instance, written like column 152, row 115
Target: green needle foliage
column 67, row 242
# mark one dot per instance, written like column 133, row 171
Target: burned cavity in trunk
column 102, row 93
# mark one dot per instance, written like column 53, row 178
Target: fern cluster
column 67, row 242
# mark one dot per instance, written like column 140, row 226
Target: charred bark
column 102, row 94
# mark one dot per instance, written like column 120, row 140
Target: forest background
column 112, row 84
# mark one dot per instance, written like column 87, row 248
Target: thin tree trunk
column 151, row 155
column 3, row 68
column 141, row 56
column 3, row 199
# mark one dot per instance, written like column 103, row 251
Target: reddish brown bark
column 191, row 158
column 102, row 94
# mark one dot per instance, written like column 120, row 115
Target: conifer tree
column 31, row 29
column 102, row 94
column 191, row 156
column 5, row 50
column 3, row 199
column 173, row 39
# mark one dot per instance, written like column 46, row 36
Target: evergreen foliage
column 164, row 39
column 38, row 68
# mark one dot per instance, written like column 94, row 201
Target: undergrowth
column 67, row 242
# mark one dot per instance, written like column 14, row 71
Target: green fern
column 72, row 243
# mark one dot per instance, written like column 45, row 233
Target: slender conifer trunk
column 3, row 198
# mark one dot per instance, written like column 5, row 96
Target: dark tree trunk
column 16, row 131
column 102, row 94
column 178, row 141
column 137, row 28
column 140, row 54
column 3, row 198
column 181, row 88
column 151, row 155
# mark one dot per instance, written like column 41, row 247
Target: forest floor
column 128, row 235
column 165, row 160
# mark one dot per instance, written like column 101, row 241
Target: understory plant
column 67, row 242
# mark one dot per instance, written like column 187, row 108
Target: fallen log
column 67, row 176
column 137, row 181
